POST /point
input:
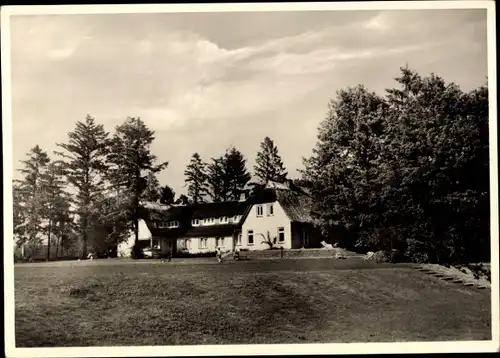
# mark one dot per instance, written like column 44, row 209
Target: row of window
column 219, row 241
column 168, row 224
column 203, row 243
column 198, row 222
column 260, row 210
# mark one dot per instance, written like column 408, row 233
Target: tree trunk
column 58, row 242
column 48, row 240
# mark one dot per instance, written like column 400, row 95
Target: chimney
column 243, row 196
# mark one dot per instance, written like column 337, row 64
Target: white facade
column 263, row 221
column 196, row 245
column 124, row 248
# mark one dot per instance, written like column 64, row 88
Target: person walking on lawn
column 219, row 255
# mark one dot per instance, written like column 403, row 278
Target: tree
column 400, row 172
column 183, row 200
column 62, row 222
column 29, row 197
column 167, row 195
column 269, row 166
column 218, row 185
column 85, row 170
column 236, row 174
column 152, row 190
column 196, row 179
column 52, row 186
column 131, row 161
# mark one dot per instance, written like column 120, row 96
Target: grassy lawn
column 120, row 302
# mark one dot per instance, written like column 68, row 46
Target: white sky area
column 206, row 81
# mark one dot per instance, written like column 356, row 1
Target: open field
column 197, row 301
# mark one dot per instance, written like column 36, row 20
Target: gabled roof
column 297, row 206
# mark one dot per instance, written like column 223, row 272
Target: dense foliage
column 408, row 171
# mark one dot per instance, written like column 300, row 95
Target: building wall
column 124, row 248
column 193, row 246
column 264, row 224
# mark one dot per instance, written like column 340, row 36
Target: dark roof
column 212, row 230
column 219, row 209
column 296, row 205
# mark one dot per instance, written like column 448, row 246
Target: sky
column 207, row 81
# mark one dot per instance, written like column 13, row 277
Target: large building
column 275, row 215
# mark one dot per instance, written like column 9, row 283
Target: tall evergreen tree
column 217, row 181
column 196, row 179
column 85, row 170
column 235, row 172
column 269, row 166
column 29, row 198
column 131, row 161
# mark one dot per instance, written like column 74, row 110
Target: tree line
column 406, row 172
column 224, row 177
column 91, row 191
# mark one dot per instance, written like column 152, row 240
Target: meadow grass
column 121, row 302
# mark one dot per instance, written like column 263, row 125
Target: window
column 195, row 222
column 155, row 224
column 187, row 244
column 223, row 220
column 172, row 224
column 203, row 243
column 238, row 239
column 219, row 242
column 155, row 244
column 250, row 237
column 208, row 221
column 270, row 211
column 260, row 210
column 281, row 234
column 236, row 218
column 161, row 225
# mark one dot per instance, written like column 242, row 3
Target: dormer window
column 236, row 218
column 209, row 221
column 195, row 222
column 172, row 224
column 223, row 220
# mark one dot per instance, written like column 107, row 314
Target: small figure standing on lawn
column 219, row 255
column 236, row 254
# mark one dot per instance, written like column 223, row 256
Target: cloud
column 204, row 81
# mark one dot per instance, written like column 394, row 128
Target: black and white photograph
column 250, row 178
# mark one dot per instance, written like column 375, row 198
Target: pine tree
column 196, row 179
column 269, row 166
column 85, row 170
column 217, row 180
column 131, row 162
column 29, row 198
column 236, row 173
